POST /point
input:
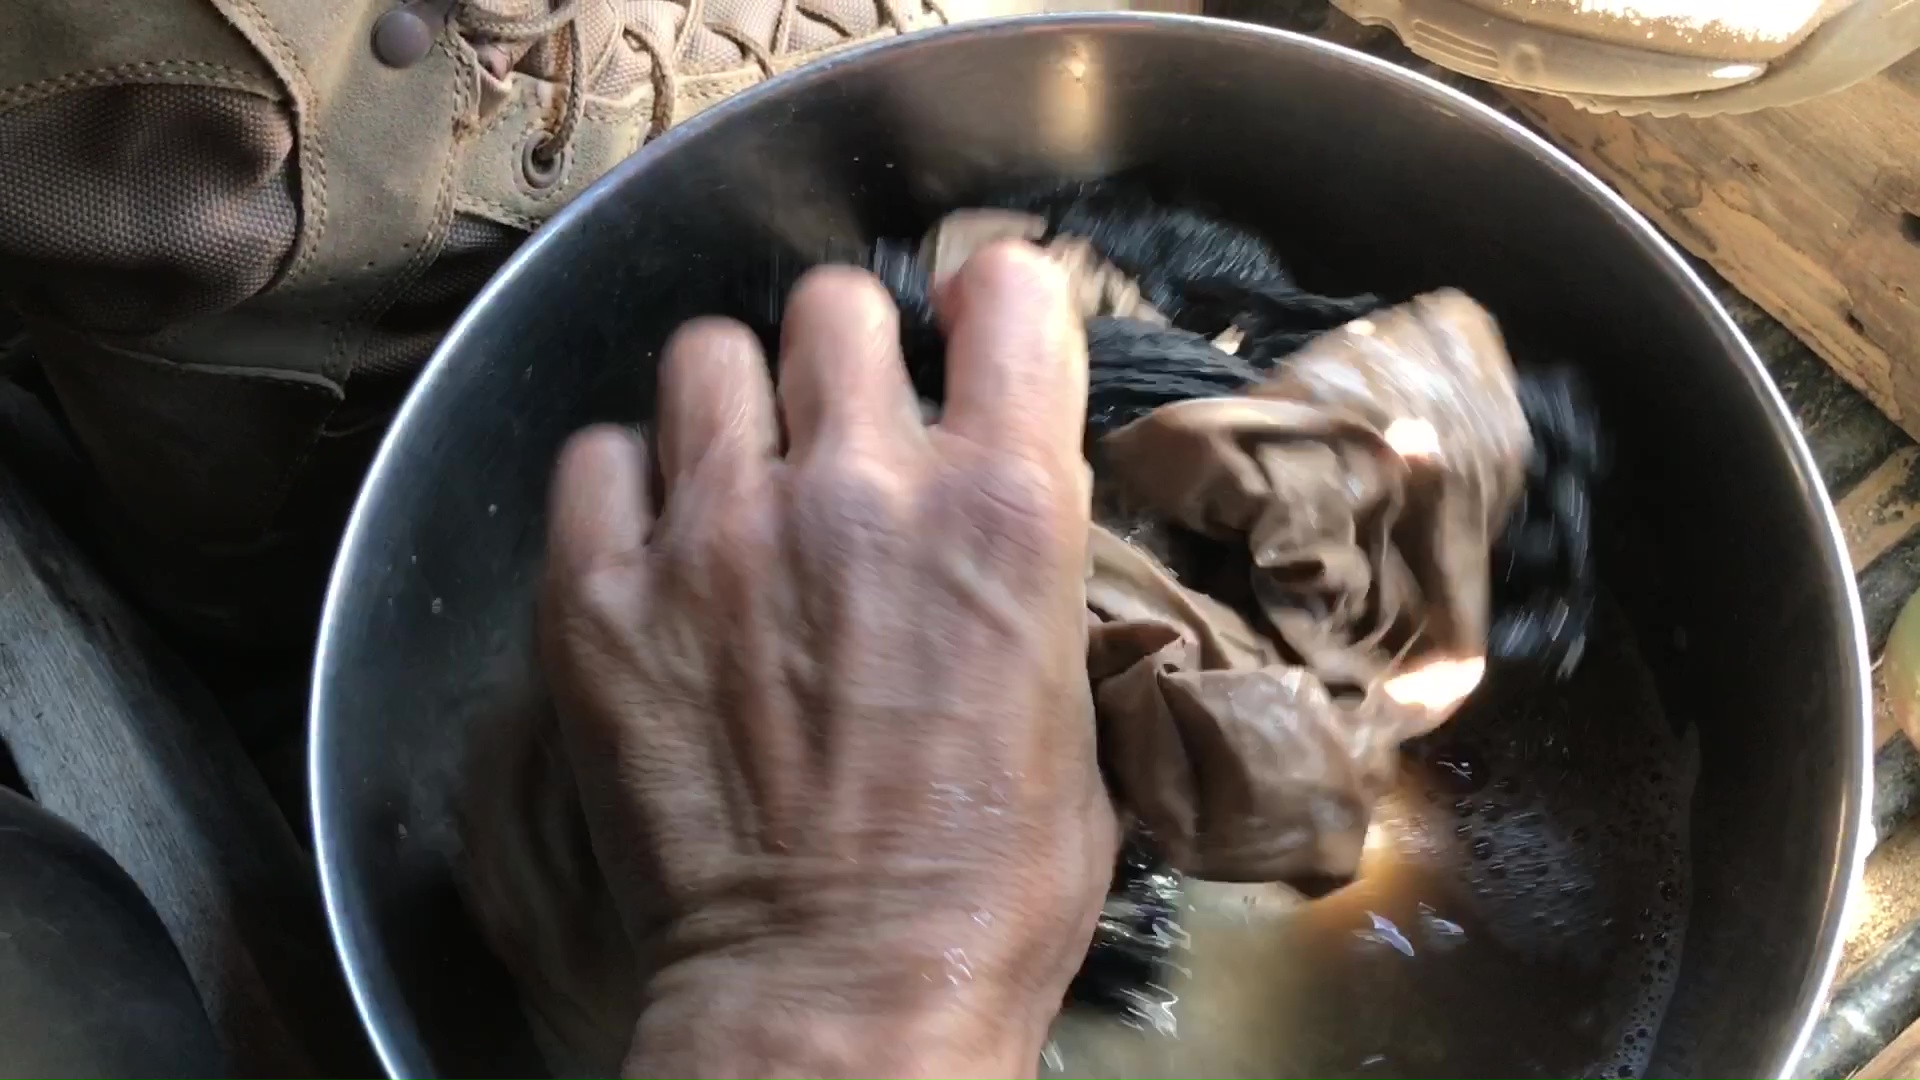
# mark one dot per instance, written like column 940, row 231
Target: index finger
column 1016, row 356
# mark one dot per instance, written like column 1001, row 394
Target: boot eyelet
column 539, row 168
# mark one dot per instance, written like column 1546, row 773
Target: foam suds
column 1520, row 911
column 1764, row 20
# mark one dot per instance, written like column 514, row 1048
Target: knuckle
column 1020, row 508
column 588, row 613
column 712, row 552
column 742, row 538
column 852, row 495
column 605, row 595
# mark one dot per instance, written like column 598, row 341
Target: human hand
column 828, row 707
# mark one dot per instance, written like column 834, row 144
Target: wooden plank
column 1899, row 1061
column 1849, row 437
column 1813, row 211
column 1877, row 514
column 1880, row 518
column 1881, row 510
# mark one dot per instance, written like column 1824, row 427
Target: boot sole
column 1603, row 76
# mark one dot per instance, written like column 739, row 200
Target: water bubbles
column 1444, row 932
column 1539, row 854
column 951, row 795
column 958, row 970
column 1458, row 769
column 1384, row 932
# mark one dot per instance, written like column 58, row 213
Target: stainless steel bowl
column 1724, row 549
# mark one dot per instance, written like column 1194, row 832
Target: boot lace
column 522, row 23
column 519, row 25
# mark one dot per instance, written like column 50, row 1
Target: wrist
column 782, row 1017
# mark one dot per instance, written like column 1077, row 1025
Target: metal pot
column 1737, row 585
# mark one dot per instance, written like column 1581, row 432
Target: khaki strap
column 376, row 155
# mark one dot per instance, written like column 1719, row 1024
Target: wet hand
column 826, row 693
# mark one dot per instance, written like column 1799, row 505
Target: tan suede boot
column 236, row 228
column 1667, row 57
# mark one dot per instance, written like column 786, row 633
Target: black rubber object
column 90, row 983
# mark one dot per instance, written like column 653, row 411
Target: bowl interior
column 1716, row 538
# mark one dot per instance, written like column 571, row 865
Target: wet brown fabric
column 1362, row 486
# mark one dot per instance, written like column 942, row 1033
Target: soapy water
column 1520, row 911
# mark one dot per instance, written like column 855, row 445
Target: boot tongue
column 543, row 58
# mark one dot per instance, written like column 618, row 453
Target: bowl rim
column 402, row 1054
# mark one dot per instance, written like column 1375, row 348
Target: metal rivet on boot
column 404, row 36
column 539, row 169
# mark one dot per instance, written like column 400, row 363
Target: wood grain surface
column 1812, row 211
column 1899, row 1061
